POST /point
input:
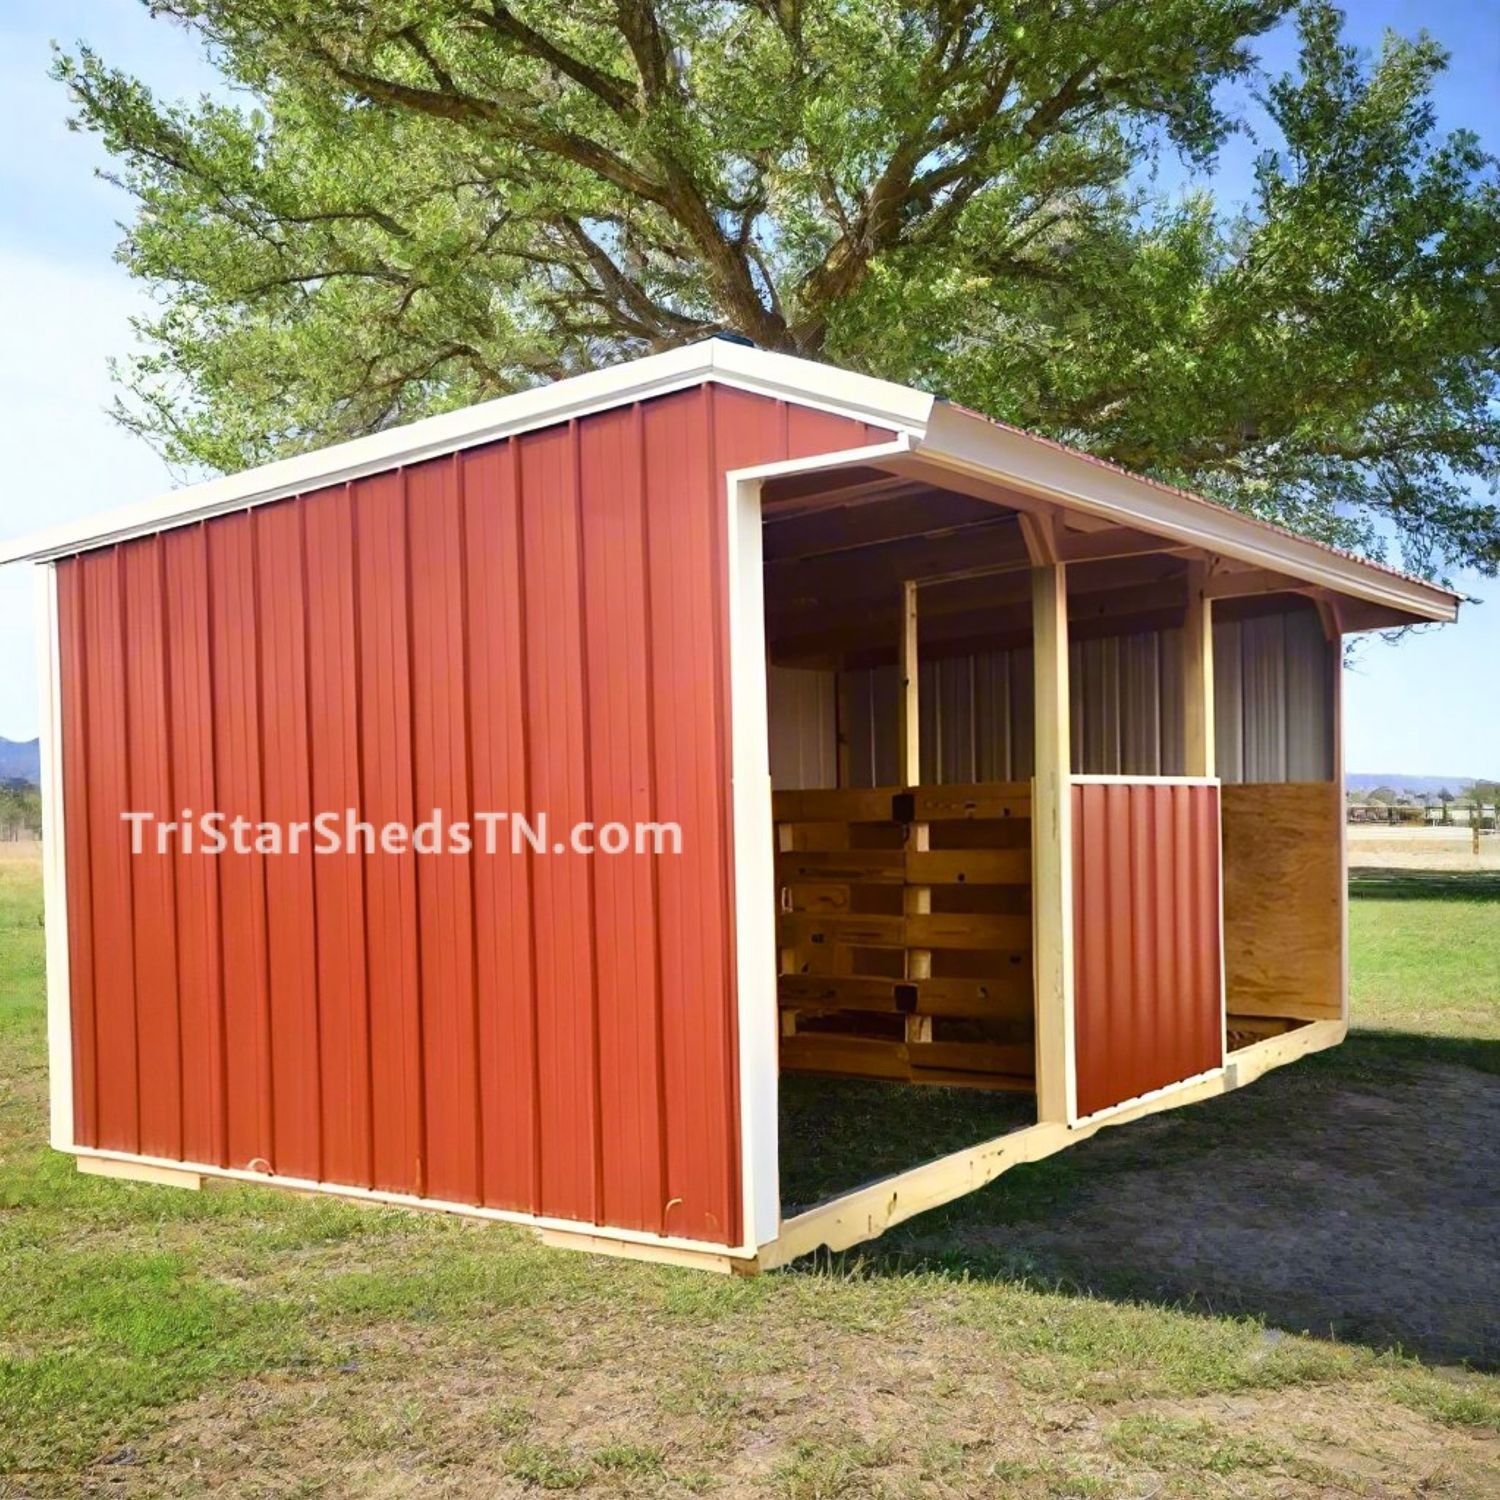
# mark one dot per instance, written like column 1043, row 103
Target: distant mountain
column 20, row 760
column 1367, row 781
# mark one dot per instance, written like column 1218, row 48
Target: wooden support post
column 909, row 749
column 1052, row 850
column 916, row 899
column 1198, row 676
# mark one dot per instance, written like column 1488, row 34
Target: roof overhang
column 936, row 434
column 969, row 443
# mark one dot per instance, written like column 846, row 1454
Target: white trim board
column 753, row 853
column 54, row 872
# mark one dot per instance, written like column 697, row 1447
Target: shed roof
column 940, row 432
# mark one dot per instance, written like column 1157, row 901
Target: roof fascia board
column 971, row 443
column 778, row 376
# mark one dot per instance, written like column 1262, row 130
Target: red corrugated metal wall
column 533, row 625
column 1148, row 996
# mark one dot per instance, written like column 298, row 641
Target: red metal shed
column 554, row 607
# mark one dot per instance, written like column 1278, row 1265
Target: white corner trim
column 54, row 874
column 754, row 855
column 973, row 444
column 754, row 871
column 778, row 376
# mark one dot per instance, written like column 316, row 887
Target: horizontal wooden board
column 971, row 1057
column 834, row 805
column 819, row 896
column 850, row 866
column 1283, row 930
column 943, row 929
column 1005, row 996
column 985, row 799
column 861, row 1057
column 1005, row 933
column 968, row 866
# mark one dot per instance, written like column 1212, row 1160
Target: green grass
column 268, row 1344
column 1425, row 953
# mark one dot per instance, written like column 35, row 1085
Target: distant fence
column 1414, row 815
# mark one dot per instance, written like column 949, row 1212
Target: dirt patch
column 1422, row 848
column 920, row 1408
column 1360, row 1215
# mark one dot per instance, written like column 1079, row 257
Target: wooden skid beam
column 139, row 1171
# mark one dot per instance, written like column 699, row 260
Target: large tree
column 396, row 206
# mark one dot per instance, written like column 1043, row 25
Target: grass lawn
column 1123, row 1320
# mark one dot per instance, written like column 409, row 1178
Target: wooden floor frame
column 867, row 1212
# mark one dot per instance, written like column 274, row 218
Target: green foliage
column 398, row 208
column 20, row 808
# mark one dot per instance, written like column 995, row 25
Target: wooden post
column 916, row 899
column 1198, row 676
column 909, row 749
column 1052, row 850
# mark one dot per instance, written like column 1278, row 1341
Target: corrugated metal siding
column 1273, row 698
column 803, row 716
column 533, row 626
column 1271, row 708
column 1148, row 1006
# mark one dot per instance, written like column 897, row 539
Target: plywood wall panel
column 1282, row 924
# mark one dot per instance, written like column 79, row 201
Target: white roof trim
column 972, row 443
column 946, row 435
column 860, row 397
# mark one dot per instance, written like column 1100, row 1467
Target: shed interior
column 901, row 712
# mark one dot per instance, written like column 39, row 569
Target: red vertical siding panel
column 1145, row 861
column 1148, row 1002
column 338, row 878
column 557, row 727
column 190, row 718
column 250, row 1134
column 537, row 627
column 809, row 431
column 393, row 970
column 685, row 561
column 291, row 919
column 1169, row 978
column 622, row 788
column 73, row 675
column 153, row 899
column 1182, row 1036
column 441, row 761
column 1210, row 905
column 504, row 969
column 107, row 766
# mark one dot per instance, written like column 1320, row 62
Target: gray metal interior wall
column 1272, row 710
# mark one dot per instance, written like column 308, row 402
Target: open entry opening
column 901, row 608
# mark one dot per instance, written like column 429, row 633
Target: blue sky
column 1426, row 706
